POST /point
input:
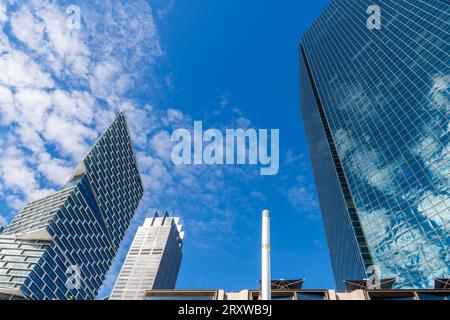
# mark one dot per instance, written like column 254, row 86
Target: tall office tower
column 62, row 246
column 153, row 260
column 376, row 111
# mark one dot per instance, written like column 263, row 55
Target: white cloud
column 42, row 28
column 74, row 105
column 162, row 145
column 15, row 172
column 224, row 100
column 32, row 106
column 18, row 176
column 4, row 43
column 104, row 77
column 3, row 15
column 243, row 123
column 15, row 202
column 19, row 70
column 2, row 221
column 304, row 200
column 255, row 194
column 6, row 105
column 30, row 137
column 28, row 29
column 67, row 48
column 71, row 137
column 290, row 157
column 174, row 116
column 57, row 171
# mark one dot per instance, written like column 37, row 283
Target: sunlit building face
column 376, row 110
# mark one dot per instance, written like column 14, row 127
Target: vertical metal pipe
column 265, row 257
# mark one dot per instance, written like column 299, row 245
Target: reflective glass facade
column 62, row 246
column 376, row 111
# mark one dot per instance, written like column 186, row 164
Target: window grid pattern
column 114, row 177
column 17, row 259
column 345, row 236
column 153, row 260
column 386, row 98
column 81, row 234
column 36, row 214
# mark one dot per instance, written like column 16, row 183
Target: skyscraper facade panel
column 377, row 116
column 153, row 260
column 37, row 214
column 62, row 246
column 114, row 178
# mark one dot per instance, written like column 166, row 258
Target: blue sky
column 248, row 50
column 227, row 63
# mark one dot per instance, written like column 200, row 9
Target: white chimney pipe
column 265, row 257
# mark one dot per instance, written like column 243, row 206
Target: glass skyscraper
column 376, row 111
column 153, row 260
column 62, row 246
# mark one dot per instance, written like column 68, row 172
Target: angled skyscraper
column 153, row 260
column 62, row 246
column 376, row 110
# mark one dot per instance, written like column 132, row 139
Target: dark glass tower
column 62, row 246
column 376, row 110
